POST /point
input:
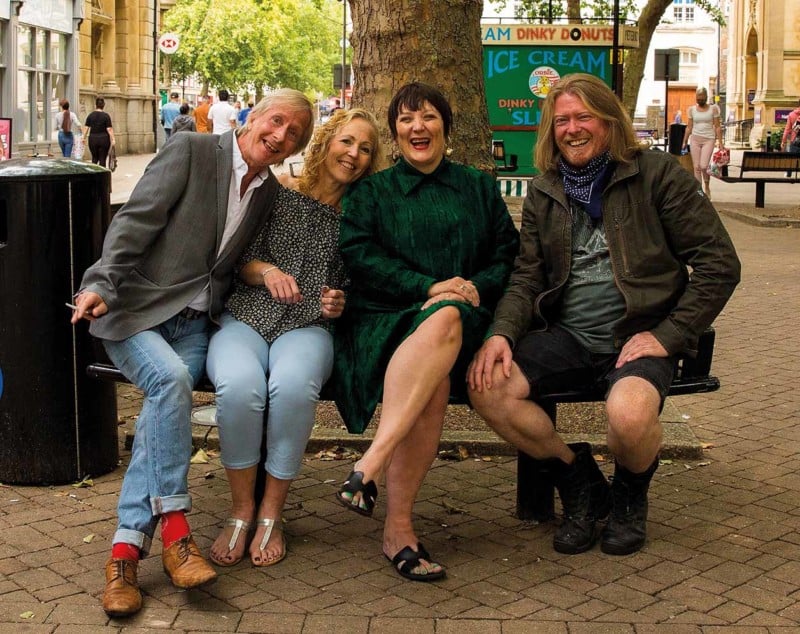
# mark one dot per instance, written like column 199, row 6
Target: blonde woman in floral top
column 274, row 347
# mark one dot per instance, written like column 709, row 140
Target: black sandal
column 355, row 484
column 407, row 559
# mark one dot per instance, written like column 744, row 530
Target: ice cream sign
column 518, row 77
column 522, row 63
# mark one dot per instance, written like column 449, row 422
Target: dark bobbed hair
column 100, row 103
column 411, row 97
column 318, row 147
column 602, row 103
column 184, row 109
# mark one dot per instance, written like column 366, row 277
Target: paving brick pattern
column 723, row 553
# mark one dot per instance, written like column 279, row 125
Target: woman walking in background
column 68, row 125
column 100, row 133
column 703, row 130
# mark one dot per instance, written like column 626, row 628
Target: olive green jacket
column 657, row 222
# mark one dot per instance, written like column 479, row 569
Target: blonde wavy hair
column 318, row 147
column 602, row 103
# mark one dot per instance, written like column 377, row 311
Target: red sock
column 173, row 527
column 125, row 551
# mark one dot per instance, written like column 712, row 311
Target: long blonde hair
column 318, row 147
column 602, row 103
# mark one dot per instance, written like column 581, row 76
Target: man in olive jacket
column 167, row 262
column 601, row 293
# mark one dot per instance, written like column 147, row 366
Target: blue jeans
column 164, row 362
column 246, row 371
column 65, row 141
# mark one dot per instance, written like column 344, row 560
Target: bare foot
column 228, row 549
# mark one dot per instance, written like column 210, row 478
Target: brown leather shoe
column 184, row 564
column 121, row 596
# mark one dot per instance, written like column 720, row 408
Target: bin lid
column 33, row 167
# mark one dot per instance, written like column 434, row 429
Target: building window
column 683, row 10
column 41, row 82
column 688, row 58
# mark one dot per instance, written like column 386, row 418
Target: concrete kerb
column 679, row 441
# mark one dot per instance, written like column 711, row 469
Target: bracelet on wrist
column 268, row 269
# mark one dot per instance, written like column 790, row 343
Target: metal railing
column 737, row 133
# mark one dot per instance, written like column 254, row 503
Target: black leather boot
column 585, row 498
column 626, row 530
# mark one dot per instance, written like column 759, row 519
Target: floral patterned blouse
column 301, row 238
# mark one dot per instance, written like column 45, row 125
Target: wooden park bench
column 535, row 489
column 766, row 163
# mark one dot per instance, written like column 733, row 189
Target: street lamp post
column 615, row 83
column 344, row 52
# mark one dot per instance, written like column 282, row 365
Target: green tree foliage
column 253, row 45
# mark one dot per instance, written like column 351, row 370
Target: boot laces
column 625, row 500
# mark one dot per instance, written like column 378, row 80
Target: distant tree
column 424, row 40
column 648, row 18
column 251, row 45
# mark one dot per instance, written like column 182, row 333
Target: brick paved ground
column 723, row 553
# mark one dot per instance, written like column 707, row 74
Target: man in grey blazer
column 167, row 262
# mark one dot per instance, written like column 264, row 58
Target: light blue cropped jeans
column 164, row 362
column 286, row 376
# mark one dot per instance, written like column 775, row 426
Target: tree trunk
column 434, row 41
column 636, row 57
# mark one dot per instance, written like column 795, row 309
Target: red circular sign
column 168, row 43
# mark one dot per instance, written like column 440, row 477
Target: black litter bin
column 56, row 424
column 676, row 132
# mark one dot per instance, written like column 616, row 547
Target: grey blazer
column 161, row 247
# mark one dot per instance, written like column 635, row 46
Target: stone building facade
column 763, row 63
column 78, row 50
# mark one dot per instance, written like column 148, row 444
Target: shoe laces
column 123, row 569
column 183, row 549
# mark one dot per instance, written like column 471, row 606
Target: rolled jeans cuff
column 136, row 538
column 169, row 503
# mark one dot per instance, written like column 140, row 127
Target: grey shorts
column 554, row 361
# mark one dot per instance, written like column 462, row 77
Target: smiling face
column 579, row 134
column 420, row 137
column 349, row 152
column 272, row 136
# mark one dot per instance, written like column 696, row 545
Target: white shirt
column 237, row 207
column 220, row 115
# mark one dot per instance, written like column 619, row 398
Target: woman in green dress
column 429, row 246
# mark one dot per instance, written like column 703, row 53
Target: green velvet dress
column 402, row 231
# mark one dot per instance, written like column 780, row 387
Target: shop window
column 41, row 82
